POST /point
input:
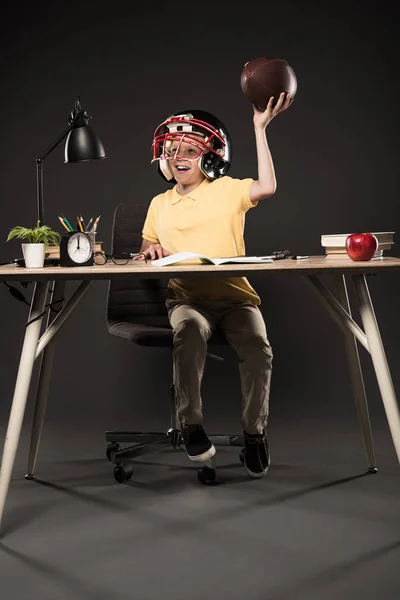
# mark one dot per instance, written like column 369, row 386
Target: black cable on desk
column 17, row 294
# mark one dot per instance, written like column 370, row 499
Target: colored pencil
column 67, row 222
column 94, row 228
column 63, row 224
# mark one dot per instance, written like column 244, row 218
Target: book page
column 189, row 256
column 179, row 257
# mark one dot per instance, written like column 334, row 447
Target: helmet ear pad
column 212, row 166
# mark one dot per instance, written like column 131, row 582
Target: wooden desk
column 336, row 303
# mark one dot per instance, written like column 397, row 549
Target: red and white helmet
column 203, row 131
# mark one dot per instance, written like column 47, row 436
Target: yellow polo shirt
column 210, row 220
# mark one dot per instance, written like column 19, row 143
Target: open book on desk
column 184, row 256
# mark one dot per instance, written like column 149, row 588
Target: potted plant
column 36, row 241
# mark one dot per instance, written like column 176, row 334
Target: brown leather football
column 264, row 77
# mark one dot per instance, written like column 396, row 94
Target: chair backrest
column 134, row 300
column 136, row 308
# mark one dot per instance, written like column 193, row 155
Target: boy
column 205, row 213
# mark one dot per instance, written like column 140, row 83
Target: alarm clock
column 76, row 250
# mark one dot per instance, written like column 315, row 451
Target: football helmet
column 204, row 132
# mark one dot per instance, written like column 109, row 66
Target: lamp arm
column 39, row 172
column 55, row 144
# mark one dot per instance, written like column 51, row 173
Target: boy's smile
column 182, row 168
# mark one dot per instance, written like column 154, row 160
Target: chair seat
column 148, row 335
column 144, row 335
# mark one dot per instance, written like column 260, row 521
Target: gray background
column 334, row 151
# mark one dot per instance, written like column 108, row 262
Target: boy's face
column 184, row 162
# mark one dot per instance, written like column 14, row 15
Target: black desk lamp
column 82, row 144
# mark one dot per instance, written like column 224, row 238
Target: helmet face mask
column 204, row 132
column 197, row 144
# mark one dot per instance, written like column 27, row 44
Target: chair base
column 144, row 443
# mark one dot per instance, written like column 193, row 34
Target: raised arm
column 265, row 185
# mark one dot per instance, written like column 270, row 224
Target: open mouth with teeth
column 182, row 168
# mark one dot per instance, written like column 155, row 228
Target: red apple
column 361, row 246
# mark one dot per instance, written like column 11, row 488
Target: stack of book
column 335, row 243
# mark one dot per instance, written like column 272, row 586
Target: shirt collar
column 194, row 194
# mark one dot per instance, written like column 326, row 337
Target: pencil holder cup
column 92, row 235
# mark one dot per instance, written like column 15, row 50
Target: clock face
column 79, row 248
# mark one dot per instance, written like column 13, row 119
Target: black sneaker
column 198, row 446
column 256, row 454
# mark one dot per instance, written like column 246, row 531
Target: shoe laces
column 189, row 429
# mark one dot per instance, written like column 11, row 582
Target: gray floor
column 315, row 528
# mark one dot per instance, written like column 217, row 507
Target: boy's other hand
column 152, row 252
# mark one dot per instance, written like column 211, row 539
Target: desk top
column 306, row 266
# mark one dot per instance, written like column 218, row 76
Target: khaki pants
column 193, row 323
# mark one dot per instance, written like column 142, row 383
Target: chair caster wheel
column 122, row 474
column 206, row 475
column 111, row 448
column 241, row 455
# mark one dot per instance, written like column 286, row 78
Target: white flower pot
column 34, row 255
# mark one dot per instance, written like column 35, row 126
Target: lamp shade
column 83, row 144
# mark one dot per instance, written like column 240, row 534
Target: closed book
column 339, row 239
column 342, row 249
column 53, row 250
column 344, row 255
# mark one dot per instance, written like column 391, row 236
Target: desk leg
column 44, row 379
column 356, row 377
column 378, row 358
column 21, row 390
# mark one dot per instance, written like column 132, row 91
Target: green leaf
column 37, row 235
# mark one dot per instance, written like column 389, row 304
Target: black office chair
column 136, row 312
